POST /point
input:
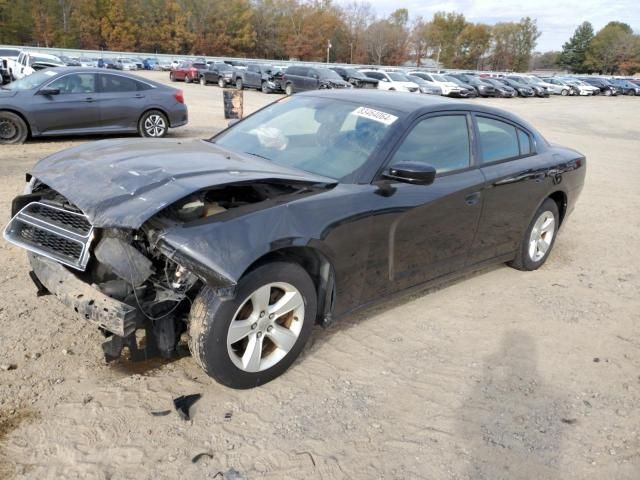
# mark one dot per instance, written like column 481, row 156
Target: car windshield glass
column 52, row 61
column 31, row 81
column 199, row 65
column 352, row 72
column 397, row 77
column 333, row 138
column 326, row 74
column 223, row 67
column 7, row 52
column 439, row 78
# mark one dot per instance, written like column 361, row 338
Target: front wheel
column 187, row 79
column 539, row 238
column 13, row 129
column 221, row 82
column 239, row 84
column 564, row 92
column 252, row 338
column 153, row 124
column 203, row 81
column 265, row 88
column 288, row 89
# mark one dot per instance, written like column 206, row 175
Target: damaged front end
column 128, row 281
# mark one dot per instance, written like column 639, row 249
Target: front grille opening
column 70, row 220
column 51, row 242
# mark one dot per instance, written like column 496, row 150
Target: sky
column 557, row 19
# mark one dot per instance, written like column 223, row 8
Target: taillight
column 179, row 96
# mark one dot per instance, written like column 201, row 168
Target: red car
column 187, row 72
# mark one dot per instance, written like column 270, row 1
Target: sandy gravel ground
column 500, row 375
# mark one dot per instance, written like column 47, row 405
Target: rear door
column 516, row 182
column 122, row 101
column 76, row 109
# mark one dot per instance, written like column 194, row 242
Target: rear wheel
column 288, row 89
column 539, row 238
column 252, row 338
column 202, row 80
column 172, row 77
column 13, row 129
column 187, row 79
column 239, row 84
column 153, row 124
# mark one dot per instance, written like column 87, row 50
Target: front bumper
column 96, row 307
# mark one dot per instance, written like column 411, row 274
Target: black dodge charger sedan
column 302, row 212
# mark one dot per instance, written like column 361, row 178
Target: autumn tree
column 471, row 45
column 118, row 28
column 610, row 48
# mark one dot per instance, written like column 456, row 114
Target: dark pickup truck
column 262, row 77
column 217, row 72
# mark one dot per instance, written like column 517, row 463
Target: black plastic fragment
column 201, row 455
column 161, row 413
column 42, row 290
column 184, row 402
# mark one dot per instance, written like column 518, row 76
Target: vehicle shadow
column 321, row 335
column 511, row 424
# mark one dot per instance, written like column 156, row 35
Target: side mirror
column 49, row 91
column 412, row 172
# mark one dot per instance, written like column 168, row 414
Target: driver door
column 421, row 232
column 75, row 109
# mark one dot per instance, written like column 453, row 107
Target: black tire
column 221, row 83
column 239, row 84
column 523, row 260
column 265, row 87
column 564, row 92
column 172, row 77
column 632, row 93
column 288, row 89
column 153, row 124
column 607, row 93
column 203, row 81
column 13, row 130
column 211, row 317
column 187, row 79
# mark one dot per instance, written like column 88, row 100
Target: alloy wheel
column 154, row 125
column 266, row 327
column 541, row 236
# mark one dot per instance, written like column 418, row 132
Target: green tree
column 607, row 51
column 445, row 30
column 472, row 43
column 574, row 51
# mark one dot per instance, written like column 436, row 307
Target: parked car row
column 299, row 78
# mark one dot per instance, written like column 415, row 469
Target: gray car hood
column 123, row 183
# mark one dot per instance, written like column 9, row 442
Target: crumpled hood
column 123, row 183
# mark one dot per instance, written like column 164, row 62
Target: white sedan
column 392, row 81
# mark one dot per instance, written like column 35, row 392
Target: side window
column 498, row 140
column 442, row 142
column 76, row 83
column 525, row 142
column 117, row 84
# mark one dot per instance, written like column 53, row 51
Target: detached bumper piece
column 53, row 232
column 106, row 312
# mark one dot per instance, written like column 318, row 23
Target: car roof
column 410, row 103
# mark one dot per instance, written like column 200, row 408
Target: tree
column 472, row 43
column 545, row 61
column 608, row 49
column 445, row 30
column 574, row 51
column 525, row 39
column 117, row 27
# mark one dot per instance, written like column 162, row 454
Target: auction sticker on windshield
column 375, row 115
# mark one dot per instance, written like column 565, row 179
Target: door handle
column 472, row 198
column 139, row 95
column 90, row 99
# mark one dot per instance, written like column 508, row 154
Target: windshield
column 31, row 81
column 397, row 77
column 439, row 78
column 329, row 137
column 53, row 61
column 326, row 74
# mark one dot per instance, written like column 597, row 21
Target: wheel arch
column 316, row 264
column 160, row 109
column 560, row 197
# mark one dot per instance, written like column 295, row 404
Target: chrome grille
column 53, row 232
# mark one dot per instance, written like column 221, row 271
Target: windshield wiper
column 258, row 155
